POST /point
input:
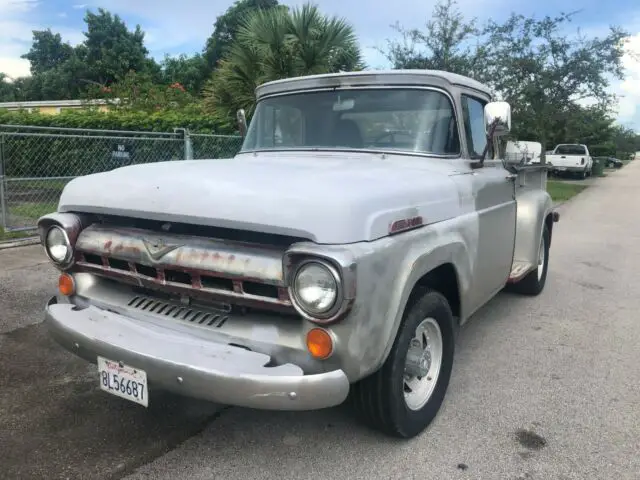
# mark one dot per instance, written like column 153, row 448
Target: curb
column 21, row 242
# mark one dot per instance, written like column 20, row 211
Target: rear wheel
column 404, row 396
column 533, row 283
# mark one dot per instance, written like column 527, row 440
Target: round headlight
column 316, row 288
column 58, row 245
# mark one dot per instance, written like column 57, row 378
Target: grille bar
column 178, row 312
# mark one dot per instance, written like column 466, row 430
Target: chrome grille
column 247, row 275
column 179, row 312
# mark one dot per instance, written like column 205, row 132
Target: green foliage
column 47, row 51
column 138, row 92
column 273, row 44
column 190, row 72
column 226, row 27
column 543, row 73
column 107, row 54
column 563, row 191
column 7, row 89
column 79, row 154
column 163, row 121
column 110, row 49
column 441, row 46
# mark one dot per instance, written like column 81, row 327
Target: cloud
column 20, row 6
column 18, row 19
column 629, row 89
column 79, row 6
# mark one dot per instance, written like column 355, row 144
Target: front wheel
column 404, row 396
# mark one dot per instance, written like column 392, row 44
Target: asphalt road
column 542, row 388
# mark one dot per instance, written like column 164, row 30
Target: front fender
column 388, row 276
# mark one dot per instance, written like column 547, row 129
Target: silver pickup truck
column 366, row 218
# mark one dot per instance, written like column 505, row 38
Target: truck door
column 495, row 206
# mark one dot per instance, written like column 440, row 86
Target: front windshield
column 411, row 120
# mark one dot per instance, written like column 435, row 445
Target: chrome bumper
column 185, row 364
column 571, row 169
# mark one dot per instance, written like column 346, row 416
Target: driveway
column 544, row 387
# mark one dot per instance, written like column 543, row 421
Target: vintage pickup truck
column 366, row 217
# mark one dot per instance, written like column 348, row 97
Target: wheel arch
column 446, row 269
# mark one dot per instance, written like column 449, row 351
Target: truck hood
column 324, row 197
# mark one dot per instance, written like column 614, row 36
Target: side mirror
column 242, row 122
column 497, row 118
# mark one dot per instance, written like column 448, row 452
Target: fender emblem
column 405, row 224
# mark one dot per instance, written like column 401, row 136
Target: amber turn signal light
column 319, row 343
column 66, row 285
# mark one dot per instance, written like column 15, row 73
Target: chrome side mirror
column 497, row 118
column 242, row 122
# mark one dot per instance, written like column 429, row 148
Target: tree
column 543, row 73
column 192, row 72
column 274, row 44
column 7, row 89
column 226, row 27
column 445, row 43
column 111, row 50
column 47, row 51
column 137, row 91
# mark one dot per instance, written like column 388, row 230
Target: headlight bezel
column 323, row 317
column 69, row 257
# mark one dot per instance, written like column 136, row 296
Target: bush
column 69, row 154
column 161, row 121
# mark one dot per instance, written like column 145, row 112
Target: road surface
column 542, row 388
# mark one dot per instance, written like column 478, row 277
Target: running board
column 519, row 270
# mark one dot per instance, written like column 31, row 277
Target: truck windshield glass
column 411, row 120
column 570, row 150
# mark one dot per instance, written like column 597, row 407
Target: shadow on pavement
column 55, row 422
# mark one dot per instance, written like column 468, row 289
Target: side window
column 474, row 125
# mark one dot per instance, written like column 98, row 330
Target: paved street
column 542, row 388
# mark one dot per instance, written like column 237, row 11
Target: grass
column 6, row 236
column 33, row 210
column 562, row 191
column 27, row 211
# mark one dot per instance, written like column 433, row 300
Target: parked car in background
column 571, row 158
column 610, row 162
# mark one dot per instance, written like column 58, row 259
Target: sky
column 182, row 27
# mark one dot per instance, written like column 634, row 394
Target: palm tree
column 276, row 43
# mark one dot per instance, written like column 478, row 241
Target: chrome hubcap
column 422, row 367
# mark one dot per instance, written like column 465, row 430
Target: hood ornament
column 157, row 248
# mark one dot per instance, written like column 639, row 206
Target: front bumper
column 185, row 364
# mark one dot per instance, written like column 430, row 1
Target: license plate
column 123, row 381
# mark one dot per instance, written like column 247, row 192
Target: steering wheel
column 392, row 134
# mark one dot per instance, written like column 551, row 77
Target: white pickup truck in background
column 571, row 158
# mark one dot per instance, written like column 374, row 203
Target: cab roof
column 438, row 78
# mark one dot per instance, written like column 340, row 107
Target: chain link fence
column 37, row 162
